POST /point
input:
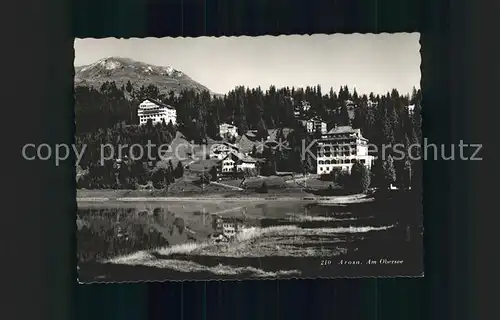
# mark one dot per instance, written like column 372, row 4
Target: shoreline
column 312, row 199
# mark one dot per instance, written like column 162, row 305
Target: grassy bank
column 187, row 187
column 219, row 192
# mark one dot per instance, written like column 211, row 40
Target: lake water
column 161, row 241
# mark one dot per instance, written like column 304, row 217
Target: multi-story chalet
column 411, row 108
column 350, row 104
column 315, row 124
column 221, row 150
column 339, row 148
column 156, row 111
column 301, row 109
column 239, row 161
column 226, row 129
column 218, row 237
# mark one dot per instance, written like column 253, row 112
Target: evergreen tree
column 241, row 121
column 151, row 91
column 417, row 122
column 317, row 134
column 344, row 95
column 389, row 176
column 97, row 112
column 407, row 174
column 355, row 97
column 280, row 136
column 204, row 178
column 393, row 119
column 170, row 128
column 235, row 169
column 262, row 132
column 359, row 178
column 344, row 116
column 170, row 166
column 213, row 173
column 129, row 87
column 269, row 166
column 414, row 146
column 416, row 177
column 158, row 178
column 254, row 150
column 179, row 170
column 213, row 121
column 359, row 121
column 387, row 130
column 169, row 176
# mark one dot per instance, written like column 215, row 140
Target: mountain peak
column 121, row 70
column 111, row 63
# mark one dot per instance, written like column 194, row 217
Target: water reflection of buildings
column 218, row 238
column 226, row 227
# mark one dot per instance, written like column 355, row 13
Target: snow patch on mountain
column 121, row 70
column 169, row 70
column 109, row 64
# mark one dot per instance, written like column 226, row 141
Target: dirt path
column 219, row 198
column 229, row 210
column 226, row 185
column 189, row 163
column 311, row 176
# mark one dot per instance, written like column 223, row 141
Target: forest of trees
column 383, row 119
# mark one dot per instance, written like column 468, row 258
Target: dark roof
column 158, row 102
column 219, row 235
column 250, row 134
column 248, row 140
column 230, row 145
column 274, row 132
column 240, row 156
column 342, row 129
column 232, row 220
column 317, row 119
column 246, row 144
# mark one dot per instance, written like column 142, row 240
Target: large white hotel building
column 156, row 111
column 339, row 148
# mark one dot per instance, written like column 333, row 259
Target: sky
column 374, row 63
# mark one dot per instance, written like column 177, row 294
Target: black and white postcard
column 248, row 157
